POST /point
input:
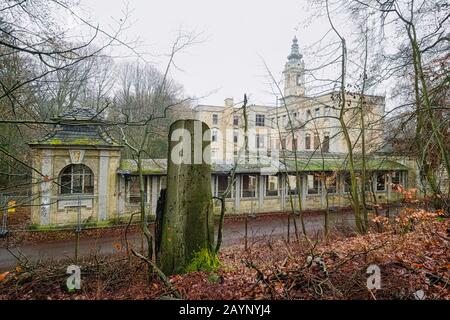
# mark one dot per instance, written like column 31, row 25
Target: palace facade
column 81, row 177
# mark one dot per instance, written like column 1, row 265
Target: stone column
column 46, row 185
column 283, row 192
column 237, row 194
column 261, row 191
column 154, row 194
column 121, row 195
column 103, row 185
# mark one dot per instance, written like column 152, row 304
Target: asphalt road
column 258, row 229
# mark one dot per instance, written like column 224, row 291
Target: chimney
column 229, row 102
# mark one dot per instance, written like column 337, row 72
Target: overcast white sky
column 238, row 35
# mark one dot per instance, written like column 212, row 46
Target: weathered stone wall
column 50, row 207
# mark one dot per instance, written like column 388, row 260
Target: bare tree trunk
column 187, row 222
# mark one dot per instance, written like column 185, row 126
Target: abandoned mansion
column 79, row 165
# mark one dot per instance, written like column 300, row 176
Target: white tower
column 294, row 73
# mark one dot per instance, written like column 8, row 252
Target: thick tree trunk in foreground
column 187, row 221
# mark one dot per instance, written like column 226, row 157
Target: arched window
column 76, row 178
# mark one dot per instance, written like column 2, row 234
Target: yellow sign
column 11, row 206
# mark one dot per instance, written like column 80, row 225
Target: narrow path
column 259, row 228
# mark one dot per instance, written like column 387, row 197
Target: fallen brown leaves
column 412, row 254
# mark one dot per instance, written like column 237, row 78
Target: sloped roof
column 265, row 166
column 78, row 127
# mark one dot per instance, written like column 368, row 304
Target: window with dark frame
column 235, row 120
column 260, row 119
column 272, row 186
column 259, row 141
column 223, row 182
column 215, row 118
column 249, row 186
column 235, row 137
column 316, row 141
column 347, row 182
column 294, row 144
column 307, row 141
column 326, row 143
column 291, row 186
column 381, row 181
column 312, row 183
column 133, row 189
column 331, row 183
column 76, row 179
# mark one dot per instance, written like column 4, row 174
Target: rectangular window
column 381, row 182
column 347, row 182
column 272, row 186
column 133, row 189
column 215, row 118
column 292, row 186
column 65, row 183
column 283, row 143
column 327, row 111
column 395, row 177
column 326, row 143
column 294, row 144
column 249, row 184
column 223, row 183
column 308, row 141
column 308, row 115
column 316, row 141
column 260, row 118
column 214, row 135
column 235, row 136
column 313, row 183
column 331, row 183
column 259, row 141
column 235, row 120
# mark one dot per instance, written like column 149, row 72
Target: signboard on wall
column 62, row 204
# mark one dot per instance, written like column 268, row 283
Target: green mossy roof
column 159, row 166
column 342, row 164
